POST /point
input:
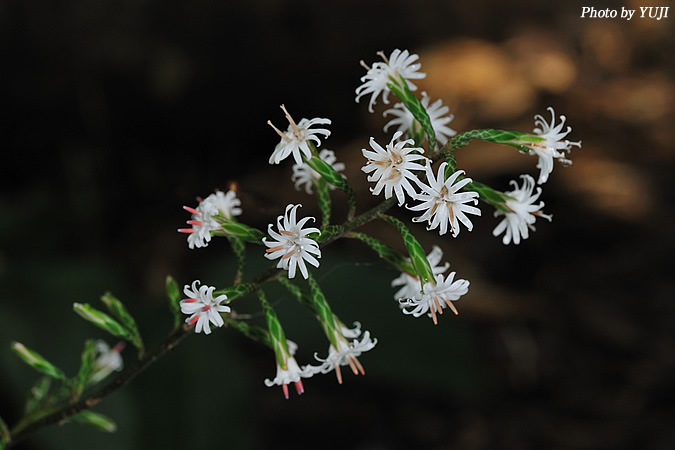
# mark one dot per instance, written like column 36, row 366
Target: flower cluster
column 202, row 307
column 209, row 216
column 292, row 244
column 444, row 197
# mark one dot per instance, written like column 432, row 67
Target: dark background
column 115, row 114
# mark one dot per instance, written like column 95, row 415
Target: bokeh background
column 115, row 114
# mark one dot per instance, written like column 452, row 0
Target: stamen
column 190, row 300
column 438, row 306
column 381, row 53
column 299, row 387
column 274, row 249
column 284, row 387
column 358, row 364
column 279, row 132
column 452, row 307
column 194, row 319
column 352, row 365
column 195, row 222
column 289, row 254
column 192, row 210
column 287, row 233
column 433, row 315
column 338, row 373
column 186, row 230
column 206, row 308
column 296, row 130
column 364, row 65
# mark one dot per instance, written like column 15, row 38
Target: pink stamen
column 438, row 305
column 195, row 222
column 194, row 319
column 284, row 387
column 192, row 210
column 338, row 373
column 119, row 347
column 287, row 233
column 186, row 230
column 190, row 300
column 352, row 366
column 299, row 387
column 274, row 249
column 433, row 315
column 206, row 308
column 363, row 372
column 452, row 307
column 288, row 255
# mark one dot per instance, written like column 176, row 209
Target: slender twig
column 59, row 416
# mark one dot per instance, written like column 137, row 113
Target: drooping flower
column 290, row 372
column 108, row 360
column 517, row 223
column 296, row 138
column 291, row 243
column 436, row 297
column 346, row 353
column 204, row 221
column 553, row 146
column 202, row 307
column 303, row 175
column 404, row 120
column 410, row 284
column 391, row 168
column 375, row 81
column 442, row 202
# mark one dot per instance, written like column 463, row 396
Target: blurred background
column 115, row 114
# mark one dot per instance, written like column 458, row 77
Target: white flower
column 107, row 361
column 553, row 146
column 203, row 221
column 203, row 307
column 346, row 353
column 375, row 81
column 305, row 175
column 437, row 297
column 391, row 168
column 517, row 223
column 405, row 120
column 225, row 203
column 296, row 138
column 291, row 374
column 291, row 243
column 411, row 284
column 442, row 202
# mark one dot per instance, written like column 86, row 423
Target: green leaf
column 323, row 311
column 414, row 105
column 323, row 198
column 253, row 332
column 384, row 251
column 418, row 257
column 236, row 291
column 37, row 362
column 37, row 395
column 118, row 310
column 329, row 232
column 173, row 292
column 239, row 250
column 490, row 196
column 86, row 368
column 334, row 178
column 96, row 420
column 516, row 139
column 239, row 230
column 276, row 332
column 103, row 321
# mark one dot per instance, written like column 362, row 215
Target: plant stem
column 24, row 429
